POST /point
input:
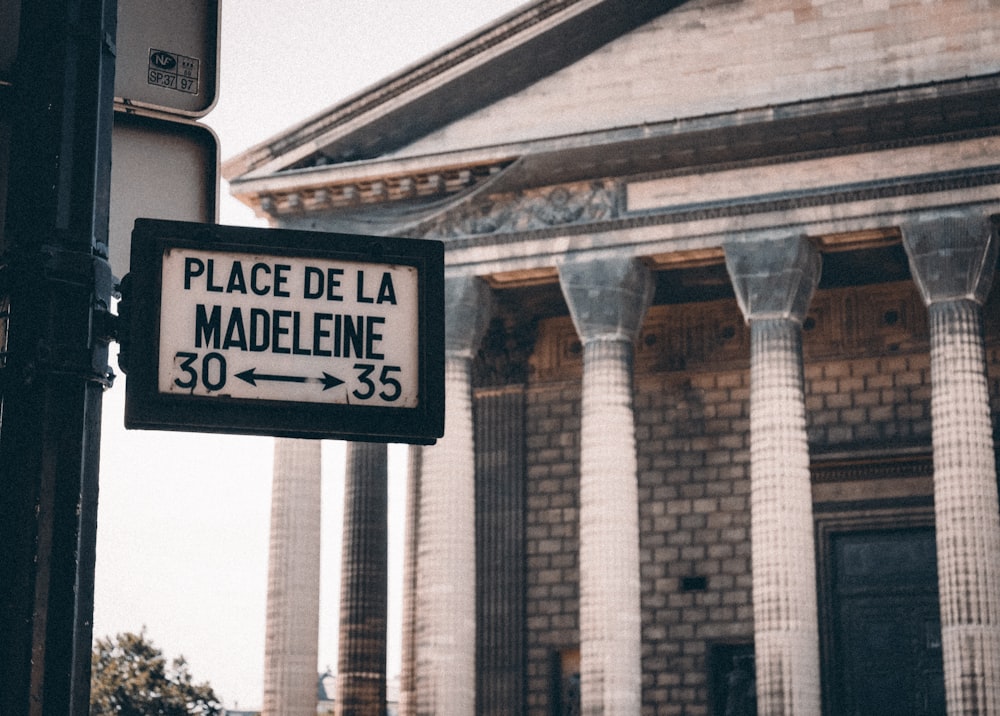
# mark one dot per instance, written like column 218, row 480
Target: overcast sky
column 183, row 519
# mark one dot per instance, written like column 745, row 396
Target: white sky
column 183, row 519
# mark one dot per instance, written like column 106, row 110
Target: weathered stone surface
column 607, row 297
column 468, row 305
column 775, row 278
column 786, row 629
column 291, row 643
column 751, row 54
column 952, row 256
column 775, row 281
column 444, row 610
column 608, row 300
column 967, row 515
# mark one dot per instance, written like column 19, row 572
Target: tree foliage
column 130, row 677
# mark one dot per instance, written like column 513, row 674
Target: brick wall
column 694, row 520
column 869, row 401
column 552, row 428
column 692, row 430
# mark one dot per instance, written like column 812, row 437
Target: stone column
column 953, row 259
column 364, row 583
column 292, row 631
column 608, row 300
column 444, row 649
column 501, row 551
column 774, row 282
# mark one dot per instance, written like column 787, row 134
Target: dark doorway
column 886, row 629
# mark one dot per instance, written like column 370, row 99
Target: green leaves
column 130, row 677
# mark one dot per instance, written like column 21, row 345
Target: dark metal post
column 58, row 287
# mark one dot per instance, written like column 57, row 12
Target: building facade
column 722, row 352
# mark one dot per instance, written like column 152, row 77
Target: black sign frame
column 147, row 408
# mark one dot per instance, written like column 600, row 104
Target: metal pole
column 58, row 286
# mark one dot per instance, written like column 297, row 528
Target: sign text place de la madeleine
column 289, row 329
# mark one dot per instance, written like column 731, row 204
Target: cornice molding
column 598, row 206
column 466, row 209
column 475, row 193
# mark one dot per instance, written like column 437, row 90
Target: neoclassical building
column 722, row 357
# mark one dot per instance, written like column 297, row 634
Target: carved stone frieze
column 509, row 213
column 845, row 322
column 579, row 203
column 675, row 339
column 855, row 470
column 502, row 358
column 873, row 320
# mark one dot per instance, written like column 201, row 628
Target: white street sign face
column 281, row 332
column 309, row 330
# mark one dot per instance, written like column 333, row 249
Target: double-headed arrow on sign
column 251, row 376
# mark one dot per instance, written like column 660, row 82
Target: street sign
column 162, row 168
column 286, row 333
column 168, row 55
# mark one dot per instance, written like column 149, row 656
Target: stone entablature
column 875, row 169
column 458, row 203
column 884, row 319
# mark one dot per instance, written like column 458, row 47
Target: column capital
column 607, row 297
column 775, row 278
column 468, row 306
column 952, row 256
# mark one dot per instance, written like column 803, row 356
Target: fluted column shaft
column 774, row 282
column 610, row 637
column 291, row 638
column 953, row 260
column 786, row 636
column 608, row 300
column 363, row 583
column 501, row 496
column 444, row 636
column 446, row 578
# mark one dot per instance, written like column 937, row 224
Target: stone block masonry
column 693, row 457
column 552, row 428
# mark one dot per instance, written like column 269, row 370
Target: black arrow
column 251, row 376
column 329, row 381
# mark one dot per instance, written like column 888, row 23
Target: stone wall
column 866, row 393
column 694, row 518
column 552, row 427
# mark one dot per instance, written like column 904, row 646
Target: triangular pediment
column 636, row 103
column 498, row 61
column 557, row 70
